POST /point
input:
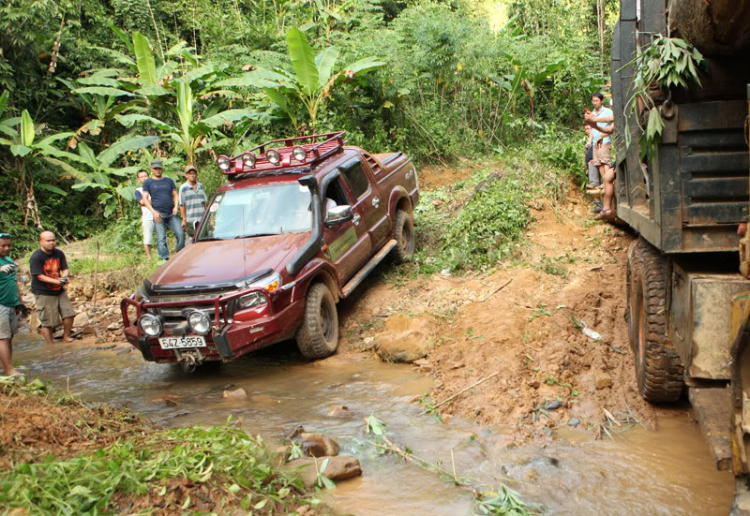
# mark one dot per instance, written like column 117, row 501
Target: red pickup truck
column 299, row 224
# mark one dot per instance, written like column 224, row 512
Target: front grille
column 173, row 314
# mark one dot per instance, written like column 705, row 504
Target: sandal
column 605, row 215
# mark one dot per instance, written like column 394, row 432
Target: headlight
column 253, row 299
column 199, row 322
column 223, row 162
column 248, row 160
column 150, row 325
column 299, row 154
column 273, row 157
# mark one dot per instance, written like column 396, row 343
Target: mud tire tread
column 403, row 231
column 310, row 339
column 660, row 374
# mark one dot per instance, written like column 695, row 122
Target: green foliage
column 664, row 63
column 505, row 502
column 86, row 483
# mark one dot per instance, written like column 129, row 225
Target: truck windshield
column 257, row 211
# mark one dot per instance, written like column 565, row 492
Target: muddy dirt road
column 538, row 424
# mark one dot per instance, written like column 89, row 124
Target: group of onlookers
column 599, row 165
column 159, row 199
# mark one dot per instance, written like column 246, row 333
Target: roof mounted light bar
column 283, row 153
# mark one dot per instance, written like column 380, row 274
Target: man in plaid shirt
column 192, row 200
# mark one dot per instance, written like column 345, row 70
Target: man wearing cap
column 162, row 203
column 192, row 200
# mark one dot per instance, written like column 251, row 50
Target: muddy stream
column 664, row 472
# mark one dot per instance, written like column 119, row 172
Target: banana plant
column 312, row 81
column 19, row 135
column 192, row 133
column 99, row 172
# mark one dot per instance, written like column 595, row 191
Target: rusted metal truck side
column 688, row 303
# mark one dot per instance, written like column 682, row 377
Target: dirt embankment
column 522, row 323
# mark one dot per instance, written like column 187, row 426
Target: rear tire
column 403, row 232
column 658, row 368
column 318, row 336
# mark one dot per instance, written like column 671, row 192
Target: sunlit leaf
column 303, row 61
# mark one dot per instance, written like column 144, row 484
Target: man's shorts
column 8, row 322
column 148, row 232
column 51, row 309
column 602, row 154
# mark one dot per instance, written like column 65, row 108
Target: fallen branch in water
column 462, row 391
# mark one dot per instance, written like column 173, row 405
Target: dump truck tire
column 403, row 232
column 658, row 368
column 318, row 335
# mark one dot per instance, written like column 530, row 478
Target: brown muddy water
column 665, row 472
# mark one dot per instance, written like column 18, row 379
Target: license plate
column 182, row 342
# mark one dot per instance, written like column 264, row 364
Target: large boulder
column 339, row 468
column 319, row 445
column 718, row 27
column 405, row 339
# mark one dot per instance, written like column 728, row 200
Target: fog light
column 199, row 322
column 273, row 157
column 223, row 163
column 248, row 160
column 299, row 154
column 150, row 325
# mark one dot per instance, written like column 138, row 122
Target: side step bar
column 367, row 269
column 713, row 408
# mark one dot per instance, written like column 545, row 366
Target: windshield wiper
column 256, row 235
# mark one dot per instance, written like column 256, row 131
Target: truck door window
column 335, row 195
column 355, row 179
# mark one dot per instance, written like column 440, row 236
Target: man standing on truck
column 163, row 205
column 49, row 275
column 600, row 121
column 192, row 200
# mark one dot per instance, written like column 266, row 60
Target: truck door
column 367, row 194
column 347, row 245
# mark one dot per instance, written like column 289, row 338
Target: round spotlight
column 273, row 157
column 199, row 322
column 150, row 325
column 299, row 154
column 223, row 162
column 248, row 160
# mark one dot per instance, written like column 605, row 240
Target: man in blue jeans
column 163, row 205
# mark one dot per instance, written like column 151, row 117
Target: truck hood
column 206, row 264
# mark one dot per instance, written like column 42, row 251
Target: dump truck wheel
column 403, row 232
column 318, row 335
column 659, row 370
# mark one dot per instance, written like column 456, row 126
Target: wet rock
column 284, row 452
column 574, row 422
column 405, row 339
column 235, row 394
column 319, row 445
column 340, row 411
column 553, row 405
column 295, row 432
column 339, row 468
column 602, row 381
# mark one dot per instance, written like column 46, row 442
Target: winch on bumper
column 234, row 330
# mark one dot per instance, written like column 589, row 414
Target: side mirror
column 338, row 215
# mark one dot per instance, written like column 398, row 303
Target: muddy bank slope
column 523, row 323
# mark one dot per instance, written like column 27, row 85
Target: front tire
column 318, row 336
column 659, row 370
column 403, row 232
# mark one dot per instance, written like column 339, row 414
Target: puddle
column 667, row 472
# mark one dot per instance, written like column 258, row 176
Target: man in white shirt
column 147, row 218
column 600, row 121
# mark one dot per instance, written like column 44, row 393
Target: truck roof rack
column 291, row 153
